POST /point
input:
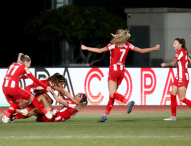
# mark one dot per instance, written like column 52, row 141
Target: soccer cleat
column 130, row 106
column 49, row 115
column 170, row 119
column 103, row 119
column 54, row 111
column 5, row 119
column 12, row 116
column 24, row 112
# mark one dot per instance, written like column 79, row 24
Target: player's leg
column 120, row 97
column 112, row 86
column 37, row 104
column 173, row 104
column 108, row 109
column 23, row 112
column 11, row 109
column 182, row 94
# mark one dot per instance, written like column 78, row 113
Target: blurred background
column 52, row 31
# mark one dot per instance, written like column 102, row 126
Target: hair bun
column 183, row 39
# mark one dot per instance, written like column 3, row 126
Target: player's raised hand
column 157, row 47
column 84, row 47
column 163, row 64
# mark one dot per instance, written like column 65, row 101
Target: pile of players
column 36, row 99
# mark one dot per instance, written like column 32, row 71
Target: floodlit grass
column 140, row 129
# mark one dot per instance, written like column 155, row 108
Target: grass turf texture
column 141, row 129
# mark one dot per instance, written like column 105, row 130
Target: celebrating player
column 181, row 80
column 69, row 109
column 55, row 81
column 14, row 94
column 119, row 47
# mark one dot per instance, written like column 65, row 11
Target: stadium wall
column 146, row 86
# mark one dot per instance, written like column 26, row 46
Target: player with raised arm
column 119, row 48
column 14, row 94
column 181, row 80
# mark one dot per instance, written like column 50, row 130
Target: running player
column 14, row 94
column 119, row 47
column 181, row 80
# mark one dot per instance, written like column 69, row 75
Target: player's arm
column 24, row 76
column 59, row 100
column 170, row 63
column 63, row 92
column 146, row 50
column 96, row 50
column 49, row 89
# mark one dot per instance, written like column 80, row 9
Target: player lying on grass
column 69, row 109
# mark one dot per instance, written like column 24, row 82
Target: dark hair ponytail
column 183, row 43
column 56, row 78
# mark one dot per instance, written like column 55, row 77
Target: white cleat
column 49, row 115
column 54, row 111
column 24, row 112
column 5, row 119
column 170, row 119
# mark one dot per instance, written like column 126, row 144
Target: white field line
column 87, row 137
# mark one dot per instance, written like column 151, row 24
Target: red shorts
column 15, row 94
column 181, row 83
column 116, row 76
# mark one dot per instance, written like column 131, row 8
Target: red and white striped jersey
column 118, row 54
column 14, row 72
column 66, row 113
column 182, row 65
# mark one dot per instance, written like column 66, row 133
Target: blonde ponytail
column 120, row 37
column 19, row 57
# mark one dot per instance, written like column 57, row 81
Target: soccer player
column 14, row 94
column 55, row 81
column 181, row 80
column 69, row 109
column 119, row 48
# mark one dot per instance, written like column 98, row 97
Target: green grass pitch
column 139, row 129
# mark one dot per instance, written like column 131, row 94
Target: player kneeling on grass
column 69, row 109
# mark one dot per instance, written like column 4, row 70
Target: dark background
column 14, row 14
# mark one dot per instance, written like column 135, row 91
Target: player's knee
column 181, row 98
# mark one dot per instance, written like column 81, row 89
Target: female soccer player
column 14, row 94
column 181, row 80
column 69, row 109
column 55, row 81
column 119, row 47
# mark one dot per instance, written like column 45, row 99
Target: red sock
column 38, row 105
column 20, row 116
column 173, row 105
column 186, row 101
column 30, row 107
column 109, row 105
column 120, row 97
column 11, row 111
